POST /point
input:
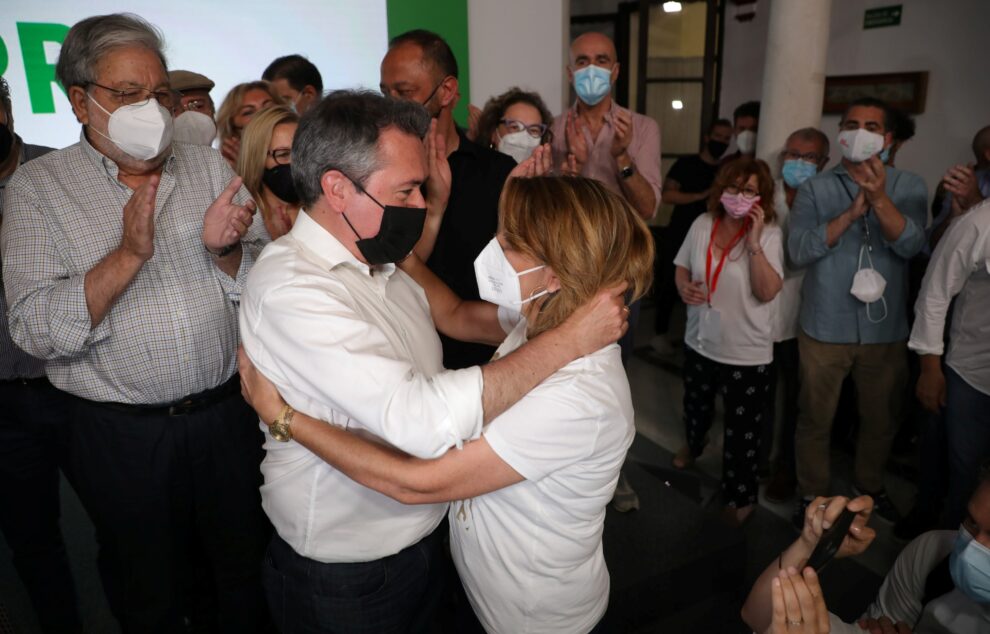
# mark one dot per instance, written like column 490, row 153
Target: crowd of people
column 432, row 324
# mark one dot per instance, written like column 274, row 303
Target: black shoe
column 883, row 506
column 800, row 509
column 915, row 523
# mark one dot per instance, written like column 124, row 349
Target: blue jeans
column 967, row 427
column 394, row 594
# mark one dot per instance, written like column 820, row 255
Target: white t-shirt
column 738, row 328
column 785, row 324
column 530, row 555
column 900, row 596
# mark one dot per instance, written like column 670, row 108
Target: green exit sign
column 882, row 16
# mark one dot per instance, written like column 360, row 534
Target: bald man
column 609, row 143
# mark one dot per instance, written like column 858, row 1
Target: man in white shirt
column 960, row 268
column 347, row 338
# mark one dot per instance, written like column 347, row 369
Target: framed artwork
column 904, row 91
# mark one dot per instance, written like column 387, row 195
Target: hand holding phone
column 831, row 540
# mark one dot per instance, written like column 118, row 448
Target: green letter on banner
column 39, row 73
column 3, row 57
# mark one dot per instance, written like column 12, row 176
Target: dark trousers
column 785, row 374
column 398, row 593
column 177, row 512
column 967, row 427
column 32, row 432
column 744, row 390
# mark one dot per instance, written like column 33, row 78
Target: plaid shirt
column 14, row 362
column 173, row 331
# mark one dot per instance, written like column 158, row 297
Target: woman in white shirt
column 530, row 493
column 729, row 270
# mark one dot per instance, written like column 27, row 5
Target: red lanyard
column 711, row 281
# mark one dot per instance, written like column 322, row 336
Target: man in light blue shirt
column 842, row 220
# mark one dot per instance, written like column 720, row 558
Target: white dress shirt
column 530, row 555
column 788, row 311
column 960, row 266
column 354, row 346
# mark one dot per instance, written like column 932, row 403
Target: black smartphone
column 830, row 541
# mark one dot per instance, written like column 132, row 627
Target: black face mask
column 716, row 148
column 6, row 142
column 400, row 230
column 279, row 180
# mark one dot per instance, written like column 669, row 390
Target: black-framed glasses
column 281, row 155
column 535, row 130
column 810, row 157
column 747, row 192
column 132, row 96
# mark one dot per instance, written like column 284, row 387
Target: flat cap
column 183, row 80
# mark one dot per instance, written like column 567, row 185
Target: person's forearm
column 639, row 193
column 459, row 319
column 106, row 281
column 384, row 469
column 764, row 279
column 892, row 222
column 428, row 239
column 230, row 263
column 509, row 379
column 930, row 363
column 836, row 227
column 757, row 612
column 678, row 197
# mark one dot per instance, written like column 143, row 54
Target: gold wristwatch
column 281, row 427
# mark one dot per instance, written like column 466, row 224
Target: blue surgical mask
column 796, row 171
column 592, row 84
column 885, row 155
column 969, row 565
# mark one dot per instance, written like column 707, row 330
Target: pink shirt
column 644, row 149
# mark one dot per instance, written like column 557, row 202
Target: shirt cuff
column 70, row 325
column 462, row 390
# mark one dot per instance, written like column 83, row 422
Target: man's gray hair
column 812, row 135
column 341, row 133
column 89, row 40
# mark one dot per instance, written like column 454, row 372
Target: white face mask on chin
column 868, row 285
column 142, row 130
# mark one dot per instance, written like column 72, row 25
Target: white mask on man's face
column 142, row 130
column 860, row 144
column 746, row 141
column 195, row 128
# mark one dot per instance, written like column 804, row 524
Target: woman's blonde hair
column 232, row 103
column 255, row 139
column 591, row 238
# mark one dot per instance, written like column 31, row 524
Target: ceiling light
column 671, row 7
column 676, row 104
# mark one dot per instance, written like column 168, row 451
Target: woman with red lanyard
column 728, row 273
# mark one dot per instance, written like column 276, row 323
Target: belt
column 182, row 407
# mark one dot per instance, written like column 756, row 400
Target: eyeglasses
column 196, row 105
column 535, row 130
column 281, row 155
column 747, row 192
column 810, row 157
column 133, row 96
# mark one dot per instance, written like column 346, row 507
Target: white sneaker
column 624, row 499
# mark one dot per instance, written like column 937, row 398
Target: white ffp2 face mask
column 746, row 141
column 498, row 282
column 518, row 145
column 142, row 130
column 860, row 144
column 868, row 285
column 195, row 128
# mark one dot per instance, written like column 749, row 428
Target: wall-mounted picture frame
column 904, row 91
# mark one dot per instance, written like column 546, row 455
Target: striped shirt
column 14, row 362
column 173, row 331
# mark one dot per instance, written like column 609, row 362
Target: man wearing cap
column 193, row 107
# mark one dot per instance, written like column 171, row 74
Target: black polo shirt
column 469, row 223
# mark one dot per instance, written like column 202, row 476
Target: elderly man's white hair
column 89, row 40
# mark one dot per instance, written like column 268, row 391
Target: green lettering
column 39, row 73
column 3, row 57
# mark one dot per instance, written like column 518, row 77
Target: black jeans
column 786, row 369
column 178, row 515
column 744, row 391
column 33, row 423
column 398, row 593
